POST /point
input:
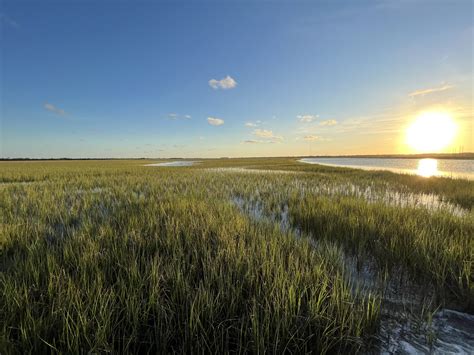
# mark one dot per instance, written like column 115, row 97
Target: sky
column 162, row 79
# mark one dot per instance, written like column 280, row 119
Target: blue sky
column 148, row 78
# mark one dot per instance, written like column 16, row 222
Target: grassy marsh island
column 232, row 256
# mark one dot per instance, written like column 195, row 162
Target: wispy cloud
column 389, row 120
column 253, row 124
column 328, row 123
column 175, row 116
column 267, row 134
column 226, row 83
column 54, row 109
column 430, row 90
column 214, row 121
column 311, row 138
column 307, row 118
column 258, row 141
column 7, row 21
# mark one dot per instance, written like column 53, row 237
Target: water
column 456, row 168
column 174, row 163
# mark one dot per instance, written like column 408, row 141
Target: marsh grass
column 434, row 248
column 111, row 256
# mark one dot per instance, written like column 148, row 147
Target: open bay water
column 455, row 168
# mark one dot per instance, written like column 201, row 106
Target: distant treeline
column 54, row 159
column 469, row 155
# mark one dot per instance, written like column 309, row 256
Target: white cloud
column 187, row 116
column 263, row 133
column 430, row 90
column 214, row 121
column 54, row 109
column 307, row 118
column 328, row 123
column 227, row 83
column 253, row 124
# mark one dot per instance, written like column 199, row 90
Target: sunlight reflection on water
column 427, row 167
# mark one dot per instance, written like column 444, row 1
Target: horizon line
column 464, row 155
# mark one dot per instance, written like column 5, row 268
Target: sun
column 431, row 132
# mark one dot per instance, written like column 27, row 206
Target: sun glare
column 427, row 167
column 431, row 132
